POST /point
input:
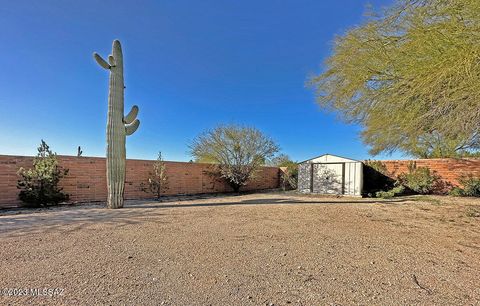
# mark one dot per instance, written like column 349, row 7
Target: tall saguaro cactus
column 118, row 126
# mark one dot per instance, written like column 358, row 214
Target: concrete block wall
column 86, row 180
column 448, row 169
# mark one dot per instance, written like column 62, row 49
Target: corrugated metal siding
column 304, row 177
column 330, row 174
column 327, row 178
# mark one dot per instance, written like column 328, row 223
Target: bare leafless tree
column 158, row 180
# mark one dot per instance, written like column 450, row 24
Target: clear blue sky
column 189, row 65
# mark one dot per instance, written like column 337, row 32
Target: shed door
column 328, row 178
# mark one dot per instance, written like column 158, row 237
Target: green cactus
column 118, row 126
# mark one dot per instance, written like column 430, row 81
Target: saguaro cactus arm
column 101, row 61
column 132, row 115
column 111, row 60
column 131, row 128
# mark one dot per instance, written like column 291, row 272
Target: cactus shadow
column 70, row 218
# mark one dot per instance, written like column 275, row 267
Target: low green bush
column 471, row 187
column 419, row 179
column 384, row 194
column 456, row 192
column 398, row 190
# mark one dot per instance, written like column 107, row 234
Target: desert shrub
column 157, row 182
column 471, row 187
column 39, row 185
column 384, row 194
column 395, row 191
column 419, row 179
column 376, row 178
column 456, row 192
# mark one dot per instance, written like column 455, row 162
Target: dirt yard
column 258, row 249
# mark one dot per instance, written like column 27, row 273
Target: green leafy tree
column 39, row 185
column 410, row 76
column 158, row 180
column 237, row 152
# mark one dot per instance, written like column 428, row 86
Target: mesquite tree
column 236, row 152
column 410, row 77
column 118, row 126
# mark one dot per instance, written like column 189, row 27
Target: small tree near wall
column 158, row 180
column 236, row 152
column 39, row 185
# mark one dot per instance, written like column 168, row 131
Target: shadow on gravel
column 280, row 201
column 69, row 219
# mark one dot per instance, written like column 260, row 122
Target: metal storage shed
column 331, row 174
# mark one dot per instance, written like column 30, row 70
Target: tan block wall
column 86, row 180
column 448, row 169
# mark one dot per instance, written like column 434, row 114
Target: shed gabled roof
column 333, row 155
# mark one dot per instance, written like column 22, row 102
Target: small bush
column 419, row 179
column 471, row 187
column 384, row 194
column 456, row 192
column 39, row 185
column 398, row 190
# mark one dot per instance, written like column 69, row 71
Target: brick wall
column 448, row 169
column 86, row 180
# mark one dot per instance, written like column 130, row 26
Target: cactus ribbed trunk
column 118, row 126
column 116, row 154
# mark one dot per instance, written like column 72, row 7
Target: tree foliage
column 157, row 183
column 411, row 77
column 39, row 185
column 236, row 151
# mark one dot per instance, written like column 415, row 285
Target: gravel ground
column 257, row 249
